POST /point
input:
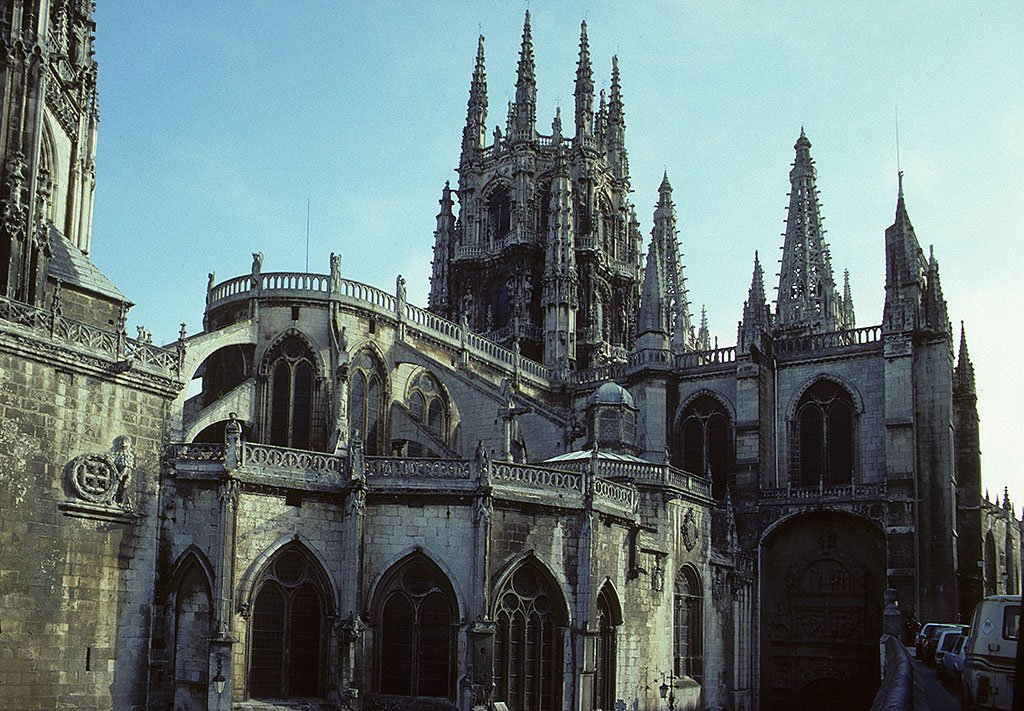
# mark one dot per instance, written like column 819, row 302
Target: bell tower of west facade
column 545, row 250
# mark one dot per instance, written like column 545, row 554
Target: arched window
column 191, row 639
column 688, row 643
column 417, row 638
column 428, row 404
column 604, row 659
column 366, row 402
column 286, row 630
column 499, row 213
column 291, row 367
column 824, row 436
column 528, row 646
column 706, row 438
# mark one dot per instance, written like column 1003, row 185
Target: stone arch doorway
column 822, row 582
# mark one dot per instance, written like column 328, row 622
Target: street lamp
column 218, row 679
column 667, row 692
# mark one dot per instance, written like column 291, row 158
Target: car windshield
column 948, row 641
column 1011, row 622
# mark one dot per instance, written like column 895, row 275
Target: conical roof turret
column 807, row 293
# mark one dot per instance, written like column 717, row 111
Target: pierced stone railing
column 624, row 495
column 536, row 477
column 195, row 452
column 835, row 339
column 716, row 356
column 317, row 463
column 812, row 493
column 645, row 474
column 111, row 343
column 416, row 469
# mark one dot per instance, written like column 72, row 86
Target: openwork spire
column 584, row 88
column 526, row 88
column 673, row 283
column 474, row 135
column 807, row 293
column 615, row 130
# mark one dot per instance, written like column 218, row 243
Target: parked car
column 953, row 664
column 990, row 654
column 945, row 643
column 931, row 645
column 928, row 632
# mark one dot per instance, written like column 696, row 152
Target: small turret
column 936, row 315
column 757, row 319
column 560, row 282
column 524, row 123
column 703, row 332
column 584, row 89
column 847, row 319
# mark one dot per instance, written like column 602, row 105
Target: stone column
column 352, row 628
column 223, row 640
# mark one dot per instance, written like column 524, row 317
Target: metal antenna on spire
column 898, row 170
column 307, row 235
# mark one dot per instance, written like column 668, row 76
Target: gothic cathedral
column 548, row 489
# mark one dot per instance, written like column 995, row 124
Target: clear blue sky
column 220, row 119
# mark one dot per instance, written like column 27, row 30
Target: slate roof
column 71, row 266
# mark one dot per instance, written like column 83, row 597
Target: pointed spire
column 847, row 318
column 444, row 236
column 936, row 315
column 584, row 92
column 964, row 372
column 651, row 326
column 807, row 293
column 526, row 89
column 673, row 282
column 703, row 333
column 757, row 320
column 905, row 271
column 615, row 128
column 474, row 135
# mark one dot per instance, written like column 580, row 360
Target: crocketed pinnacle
column 474, row 136
column 756, row 315
column 526, row 85
column 964, row 372
column 651, row 317
column 584, row 92
column 673, row 281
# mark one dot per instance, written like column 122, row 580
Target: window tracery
column 688, row 637
column 366, row 402
column 528, row 645
column 706, row 436
column 824, row 436
column 292, row 394
column 417, row 644
column 429, row 405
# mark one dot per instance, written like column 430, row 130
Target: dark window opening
column 824, row 439
column 688, row 623
column 707, row 443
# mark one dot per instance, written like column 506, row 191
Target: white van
column 991, row 653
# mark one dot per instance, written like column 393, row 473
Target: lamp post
column 218, row 679
column 667, row 691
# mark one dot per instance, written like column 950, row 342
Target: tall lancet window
column 499, row 213
column 706, row 436
column 688, row 616
column 292, row 394
column 366, row 402
column 824, row 436
column 528, row 646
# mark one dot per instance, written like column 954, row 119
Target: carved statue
column 257, row 267
column 335, row 285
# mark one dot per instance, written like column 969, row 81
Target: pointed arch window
column 824, row 436
column 429, row 405
column 417, row 633
column 528, row 645
column 604, row 660
column 286, row 635
column 706, row 436
column 291, row 367
column 688, row 625
column 366, row 403
column 499, row 213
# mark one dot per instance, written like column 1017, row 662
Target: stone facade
column 547, row 490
